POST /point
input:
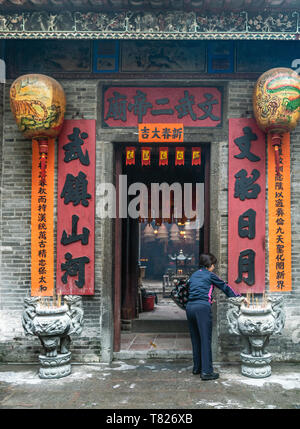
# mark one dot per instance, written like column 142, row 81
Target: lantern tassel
column 276, row 142
column 43, row 146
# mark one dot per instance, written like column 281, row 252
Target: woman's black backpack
column 180, row 293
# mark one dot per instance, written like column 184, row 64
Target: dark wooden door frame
column 117, row 257
column 206, row 198
column 118, row 238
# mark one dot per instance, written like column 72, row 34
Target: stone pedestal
column 256, row 367
column 55, row 367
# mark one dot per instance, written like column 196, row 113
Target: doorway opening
column 154, row 251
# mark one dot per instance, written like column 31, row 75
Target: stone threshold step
column 152, row 354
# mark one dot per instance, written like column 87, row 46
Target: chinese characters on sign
column 76, row 208
column 246, row 206
column 191, row 106
column 279, row 218
column 161, row 133
column 42, row 240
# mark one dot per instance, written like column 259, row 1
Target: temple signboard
column 76, row 208
column 246, row 206
column 129, row 106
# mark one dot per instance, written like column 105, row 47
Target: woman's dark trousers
column 200, row 324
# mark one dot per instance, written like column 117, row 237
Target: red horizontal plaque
column 190, row 106
column 76, row 208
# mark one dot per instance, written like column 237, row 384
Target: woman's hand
column 246, row 302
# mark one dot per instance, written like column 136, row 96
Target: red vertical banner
column 76, row 208
column 130, row 155
column 146, row 155
column 196, row 156
column 163, row 156
column 179, row 156
column 246, row 206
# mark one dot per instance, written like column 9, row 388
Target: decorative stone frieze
column 155, row 25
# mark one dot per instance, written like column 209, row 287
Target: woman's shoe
column 212, row 376
column 196, row 371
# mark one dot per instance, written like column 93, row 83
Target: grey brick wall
column 84, row 97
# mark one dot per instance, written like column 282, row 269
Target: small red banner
column 163, row 156
column 158, row 133
column 146, row 156
column 246, row 206
column 76, row 208
column 179, row 156
column 196, row 156
column 130, row 155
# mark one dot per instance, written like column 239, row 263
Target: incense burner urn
column 255, row 325
column 53, row 326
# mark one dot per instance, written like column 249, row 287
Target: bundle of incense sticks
column 254, row 301
column 56, row 300
column 46, row 301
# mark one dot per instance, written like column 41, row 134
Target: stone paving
column 148, row 384
column 155, row 342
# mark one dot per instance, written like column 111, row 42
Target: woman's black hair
column 207, row 259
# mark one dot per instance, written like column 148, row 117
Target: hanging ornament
column 276, row 104
column 163, row 234
column 179, row 156
column 174, row 233
column 149, row 233
column 189, row 233
column 146, row 155
column 130, row 155
column 163, row 156
column 38, row 104
column 196, row 156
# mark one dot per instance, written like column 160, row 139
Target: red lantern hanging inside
column 38, row 104
column 276, row 104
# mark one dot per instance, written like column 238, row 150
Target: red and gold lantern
column 38, row 104
column 276, row 104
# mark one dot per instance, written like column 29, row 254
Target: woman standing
column 199, row 314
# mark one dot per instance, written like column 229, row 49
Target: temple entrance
column 154, row 250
